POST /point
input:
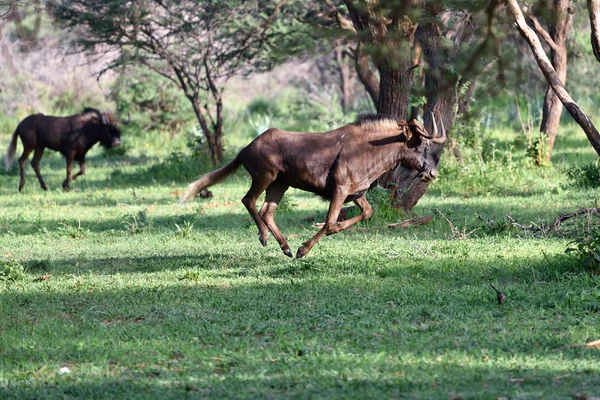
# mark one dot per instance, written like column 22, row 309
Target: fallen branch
column 545, row 228
column 411, row 222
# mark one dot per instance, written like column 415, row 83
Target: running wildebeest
column 72, row 136
column 339, row 165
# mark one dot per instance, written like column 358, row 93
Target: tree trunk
column 442, row 98
column 396, row 78
column 215, row 146
column 559, row 27
column 544, row 63
column 347, row 80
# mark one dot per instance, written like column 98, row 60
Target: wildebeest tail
column 210, row 179
column 10, row 152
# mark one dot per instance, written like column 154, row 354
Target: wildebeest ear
column 405, row 130
column 417, row 127
column 105, row 119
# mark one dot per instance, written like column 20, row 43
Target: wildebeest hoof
column 301, row 252
column 287, row 252
column 263, row 241
column 66, row 187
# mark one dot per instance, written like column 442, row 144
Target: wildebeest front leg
column 22, row 161
column 81, row 169
column 337, row 201
column 35, row 163
column 274, row 194
column 365, row 213
column 66, row 183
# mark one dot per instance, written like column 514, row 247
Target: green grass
column 149, row 299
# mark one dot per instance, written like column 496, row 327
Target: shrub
column 584, row 176
column 11, row 271
column 586, row 246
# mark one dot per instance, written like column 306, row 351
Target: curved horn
column 442, row 138
column 435, row 130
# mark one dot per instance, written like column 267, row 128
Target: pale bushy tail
column 10, row 152
column 210, row 179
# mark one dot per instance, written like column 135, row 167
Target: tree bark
column 442, row 97
column 557, row 40
column 594, row 11
column 394, row 87
column 551, row 76
column 364, row 73
column 347, row 79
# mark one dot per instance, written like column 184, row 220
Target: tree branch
column 548, row 70
column 541, row 31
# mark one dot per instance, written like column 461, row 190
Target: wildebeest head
column 106, row 123
column 427, row 146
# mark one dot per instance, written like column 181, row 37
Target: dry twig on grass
column 543, row 229
column 456, row 233
column 411, row 222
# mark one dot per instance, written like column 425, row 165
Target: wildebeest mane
column 90, row 110
column 380, row 121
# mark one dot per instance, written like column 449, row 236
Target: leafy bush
column 586, row 246
column 11, row 271
column 380, row 199
column 154, row 102
column 586, row 176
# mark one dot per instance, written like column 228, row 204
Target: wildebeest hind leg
column 258, row 186
column 274, row 194
column 22, row 161
column 365, row 213
column 35, row 163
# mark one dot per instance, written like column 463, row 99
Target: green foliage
column 11, row 271
column 585, row 176
column 155, row 104
column 537, row 151
column 472, row 140
column 586, row 245
column 383, row 210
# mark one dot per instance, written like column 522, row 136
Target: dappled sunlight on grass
column 144, row 297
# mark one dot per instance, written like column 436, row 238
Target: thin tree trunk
column 347, row 79
column 213, row 143
column 553, row 79
column 557, row 40
column 594, row 11
column 365, row 75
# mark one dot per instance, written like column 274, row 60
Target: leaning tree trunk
column 557, row 40
column 594, row 12
column 546, row 67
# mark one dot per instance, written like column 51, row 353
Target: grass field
column 148, row 299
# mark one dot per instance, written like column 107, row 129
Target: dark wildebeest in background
column 339, row 165
column 72, row 136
